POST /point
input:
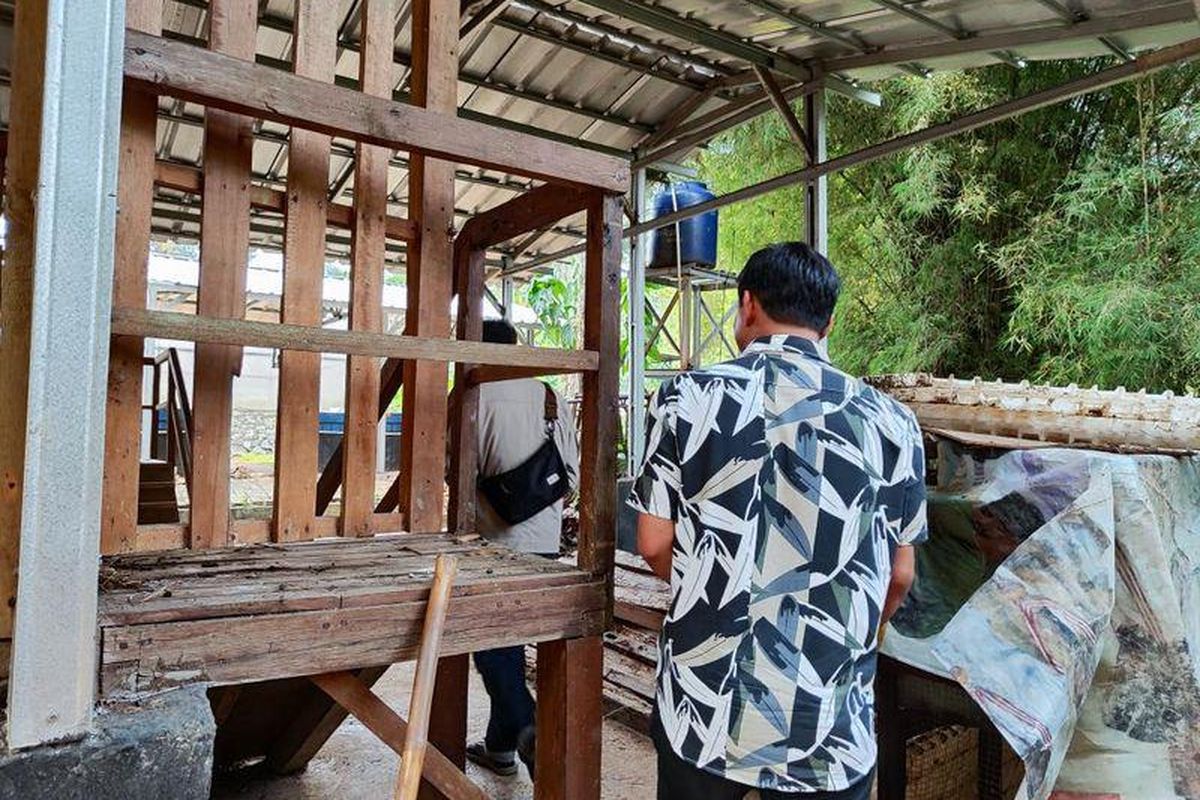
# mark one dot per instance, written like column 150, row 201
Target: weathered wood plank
column 239, row 85
column 367, row 250
column 317, row 718
column 135, row 191
column 351, row 694
column 570, row 691
column 448, row 728
column 431, row 267
column 298, row 403
column 189, row 327
column 224, row 247
column 527, row 212
column 228, row 650
column 16, row 290
column 190, row 179
column 464, row 472
column 600, row 409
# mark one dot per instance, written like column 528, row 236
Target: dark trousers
column 681, row 780
column 512, row 709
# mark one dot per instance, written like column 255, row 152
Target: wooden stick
column 408, row 781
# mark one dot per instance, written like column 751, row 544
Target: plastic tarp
column 1061, row 589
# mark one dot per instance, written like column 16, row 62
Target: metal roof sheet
column 605, row 73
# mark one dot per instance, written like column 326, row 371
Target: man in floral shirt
column 781, row 498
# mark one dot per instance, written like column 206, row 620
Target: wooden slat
column 299, row 392
column 135, row 194
column 448, row 728
column 465, row 441
column 351, row 694
column 190, row 179
column 224, row 247
column 434, row 83
column 601, row 332
column 218, row 81
column 16, row 289
column 316, row 719
column 391, row 375
column 244, row 649
column 189, row 327
column 367, row 250
column 570, row 691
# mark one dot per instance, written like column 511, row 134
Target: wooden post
column 601, row 332
column 430, row 265
column 224, row 245
column 465, row 452
column 420, row 706
column 298, row 404
column 16, row 286
column 366, row 278
column 569, row 719
column 135, row 195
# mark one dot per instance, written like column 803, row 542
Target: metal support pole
column 636, row 429
column 51, row 685
column 817, row 193
column 506, row 297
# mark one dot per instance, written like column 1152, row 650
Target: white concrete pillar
column 636, row 429
column 53, row 673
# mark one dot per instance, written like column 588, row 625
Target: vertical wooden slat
column 464, row 449
column 135, row 189
column 224, row 245
column 366, row 279
column 448, row 728
column 298, row 404
column 431, row 203
column 16, row 288
column 569, row 719
column 601, row 332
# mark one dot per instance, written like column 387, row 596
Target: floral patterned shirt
column 791, row 484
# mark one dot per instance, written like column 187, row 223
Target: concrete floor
column 354, row 764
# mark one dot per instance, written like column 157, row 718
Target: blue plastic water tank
column 697, row 236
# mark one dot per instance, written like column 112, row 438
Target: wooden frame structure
column 327, row 632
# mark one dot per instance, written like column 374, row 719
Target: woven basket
column 943, row 764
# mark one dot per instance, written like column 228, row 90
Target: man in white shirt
column 512, row 427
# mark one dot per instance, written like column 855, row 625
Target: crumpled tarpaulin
column 1061, row 588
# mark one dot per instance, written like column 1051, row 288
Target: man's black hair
column 793, row 283
column 499, row 331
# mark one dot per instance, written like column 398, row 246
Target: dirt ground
column 354, row 764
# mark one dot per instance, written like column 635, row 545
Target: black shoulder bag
column 536, row 484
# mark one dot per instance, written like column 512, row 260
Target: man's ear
column 750, row 308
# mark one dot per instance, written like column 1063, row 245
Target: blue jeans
column 512, row 708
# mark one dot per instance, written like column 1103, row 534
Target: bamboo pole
column 408, row 780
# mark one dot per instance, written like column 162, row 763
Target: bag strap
column 550, row 413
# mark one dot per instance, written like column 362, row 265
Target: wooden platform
column 264, row 612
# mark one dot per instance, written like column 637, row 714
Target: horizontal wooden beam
column 478, row 375
column 183, row 178
column 531, row 211
column 220, row 81
column 245, row 333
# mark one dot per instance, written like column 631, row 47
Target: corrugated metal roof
column 606, row 73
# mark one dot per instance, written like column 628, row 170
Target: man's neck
column 784, row 330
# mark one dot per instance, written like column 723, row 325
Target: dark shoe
column 499, row 762
column 527, row 747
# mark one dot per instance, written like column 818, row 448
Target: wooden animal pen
column 183, row 603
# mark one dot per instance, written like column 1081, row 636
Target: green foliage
column 1063, row 245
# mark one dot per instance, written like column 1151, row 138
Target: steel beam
column 73, row 214
column 1056, row 32
column 816, row 196
column 638, row 256
column 1143, row 65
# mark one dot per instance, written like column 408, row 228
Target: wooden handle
column 408, row 781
